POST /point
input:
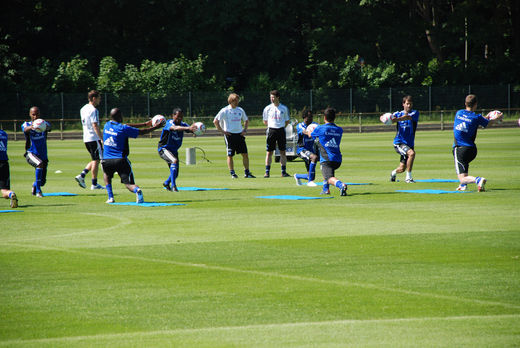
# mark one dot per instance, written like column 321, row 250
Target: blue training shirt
column 304, row 141
column 171, row 140
column 465, row 127
column 38, row 140
column 3, row 146
column 329, row 139
column 406, row 129
column 115, row 139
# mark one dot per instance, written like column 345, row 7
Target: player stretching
column 328, row 141
column 5, row 182
column 306, row 149
column 92, row 139
column 169, row 144
column 406, row 121
column 465, row 128
column 36, row 150
column 116, row 150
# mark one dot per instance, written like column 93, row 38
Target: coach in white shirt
column 276, row 118
column 92, row 139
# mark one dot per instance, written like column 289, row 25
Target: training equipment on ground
column 39, row 125
column 386, row 118
column 310, row 128
column 158, row 119
column 201, row 128
column 493, row 115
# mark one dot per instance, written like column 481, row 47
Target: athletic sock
column 408, row 175
column 267, row 169
column 312, row 171
column 109, row 191
column 394, row 172
column 174, row 168
column 38, row 176
column 10, row 194
column 232, row 172
column 94, row 182
column 136, row 189
column 84, row 172
column 325, row 186
column 246, row 171
column 301, row 176
column 339, row 184
column 284, row 168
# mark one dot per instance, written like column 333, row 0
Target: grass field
column 227, row 269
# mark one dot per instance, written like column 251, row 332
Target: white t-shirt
column 276, row 115
column 231, row 119
column 89, row 115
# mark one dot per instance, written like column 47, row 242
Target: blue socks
column 339, row 184
column 174, row 172
column 38, row 182
column 109, row 191
column 312, row 171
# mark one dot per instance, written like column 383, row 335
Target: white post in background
column 190, row 156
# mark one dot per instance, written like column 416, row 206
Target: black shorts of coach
column 328, row 169
column 235, row 143
column 5, row 179
column 463, row 155
column 121, row 166
column 94, row 149
column 402, row 149
column 276, row 136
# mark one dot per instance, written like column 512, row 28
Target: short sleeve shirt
column 465, row 127
column 329, row 140
column 115, row 139
column 230, row 119
column 276, row 116
column 89, row 115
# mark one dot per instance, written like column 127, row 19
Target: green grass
column 376, row 268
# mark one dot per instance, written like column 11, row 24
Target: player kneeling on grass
column 465, row 128
column 116, row 150
column 169, row 144
column 328, row 138
column 306, row 148
column 4, row 172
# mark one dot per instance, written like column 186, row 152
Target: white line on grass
column 277, row 275
column 128, row 335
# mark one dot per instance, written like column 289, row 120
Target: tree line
column 161, row 47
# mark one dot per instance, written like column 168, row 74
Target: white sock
column 408, row 175
column 394, row 172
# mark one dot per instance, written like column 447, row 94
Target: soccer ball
column 158, row 119
column 310, row 128
column 493, row 115
column 39, row 125
column 386, row 118
column 201, row 128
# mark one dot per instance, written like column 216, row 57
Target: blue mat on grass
column 437, row 180
column 320, row 183
column 290, row 197
column 433, row 192
column 187, row 188
column 147, row 204
column 58, row 194
column 11, row 211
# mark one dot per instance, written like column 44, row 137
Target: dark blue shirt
column 115, row 139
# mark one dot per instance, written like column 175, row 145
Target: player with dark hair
column 92, row 139
column 36, row 150
column 276, row 118
column 328, row 139
column 5, row 178
column 406, row 125
column 116, row 150
column 229, row 121
column 171, row 140
column 465, row 128
column 306, row 149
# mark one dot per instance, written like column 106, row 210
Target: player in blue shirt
column 306, row 149
column 406, row 124
column 169, row 144
column 5, row 178
column 465, row 128
column 116, row 150
column 36, row 150
column 328, row 138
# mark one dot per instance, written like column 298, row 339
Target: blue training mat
column 147, row 204
column 437, row 180
column 433, row 192
column 59, row 194
column 320, row 183
column 290, row 197
column 11, row 211
column 187, row 188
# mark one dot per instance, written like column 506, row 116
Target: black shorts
column 274, row 136
column 94, row 148
column 235, row 143
column 402, row 149
column 168, row 156
column 122, row 166
column 328, row 169
column 5, row 180
column 36, row 161
column 463, row 155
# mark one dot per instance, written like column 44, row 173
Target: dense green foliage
column 165, row 47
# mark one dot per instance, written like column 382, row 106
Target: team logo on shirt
column 462, row 127
column 331, row 143
column 110, row 142
column 2, row 146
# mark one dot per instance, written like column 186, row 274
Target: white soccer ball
column 39, row 125
column 201, row 128
column 493, row 115
column 158, row 119
column 386, row 118
column 310, row 128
